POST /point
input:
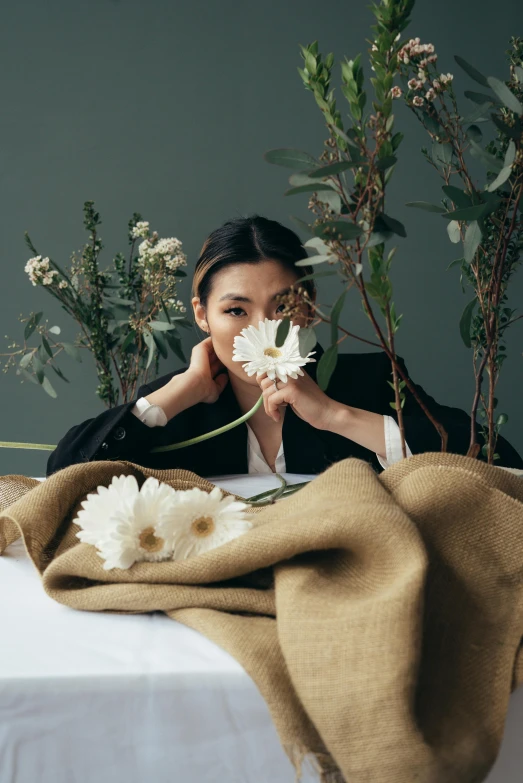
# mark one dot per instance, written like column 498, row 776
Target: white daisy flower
column 128, row 524
column 257, row 348
column 206, row 520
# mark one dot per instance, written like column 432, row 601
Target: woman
column 243, row 265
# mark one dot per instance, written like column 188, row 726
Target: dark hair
column 248, row 240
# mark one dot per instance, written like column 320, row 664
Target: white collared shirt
column 154, row 416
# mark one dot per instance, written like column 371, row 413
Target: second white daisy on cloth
column 257, row 348
column 128, row 524
column 205, row 520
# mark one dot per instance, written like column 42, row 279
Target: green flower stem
column 289, row 490
column 4, row 444
column 271, row 496
column 47, row 447
column 211, row 434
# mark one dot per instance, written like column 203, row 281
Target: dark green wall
column 166, row 108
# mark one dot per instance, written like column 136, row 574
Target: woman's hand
column 303, row 395
column 204, row 368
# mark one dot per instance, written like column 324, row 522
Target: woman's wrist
column 361, row 426
column 181, row 392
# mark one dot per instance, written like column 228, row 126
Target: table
column 87, row 697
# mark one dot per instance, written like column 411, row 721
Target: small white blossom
column 432, row 58
column 436, row 84
column 430, row 94
column 413, row 84
column 417, row 100
column 396, row 92
column 445, row 78
column 63, row 284
column 422, row 77
column 141, row 229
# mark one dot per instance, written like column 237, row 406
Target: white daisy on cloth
column 257, row 348
column 128, row 524
column 206, row 520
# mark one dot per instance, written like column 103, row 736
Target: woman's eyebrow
column 240, row 298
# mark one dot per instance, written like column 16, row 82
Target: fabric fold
column 380, row 616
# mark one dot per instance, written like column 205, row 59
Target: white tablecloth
column 103, row 698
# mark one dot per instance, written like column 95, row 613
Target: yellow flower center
column 203, row 526
column 149, row 541
column 272, row 352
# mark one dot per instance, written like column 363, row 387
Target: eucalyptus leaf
column 119, row 301
column 479, row 113
column 38, row 367
column 454, row 232
column 159, row 339
column 465, row 322
column 161, row 326
column 502, row 419
column 26, row 358
column 492, row 163
column 505, row 95
column 510, row 154
column 293, row 159
column 317, row 243
column 338, row 229
column 47, row 387
column 32, row 324
column 393, row 225
column 326, row 366
column 384, row 163
column 333, row 168
column 479, row 97
column 151, row 345
column 339, row 132
column 379, row 237
column 314, row 275
column 512, row 132
column 472, row 240
column 335, row 315
column 302, row 224
column 467, row 213
column 471, row 71
column 426, row 206
column 332, row 199
column 441, row 153
column 282, row 331
column 458, row 196
column 47, row 347
column 175, row 344
column 455, row 263
column 313, row 260
column 27, row 376
column 59, row 373
column 306, row 340
column 307, row 189
column 130, row 339
column 502, row 177
column 73, row 351
column 473, row 132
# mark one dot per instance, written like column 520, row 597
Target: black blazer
column 359, row 380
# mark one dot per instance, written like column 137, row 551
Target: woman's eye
column 237, row 311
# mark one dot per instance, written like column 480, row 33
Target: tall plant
column 348, row 185
column 128, row 315
column 485, row 219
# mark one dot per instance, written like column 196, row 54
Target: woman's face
column 241, row 295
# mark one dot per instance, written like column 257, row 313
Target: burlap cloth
column 388, row 642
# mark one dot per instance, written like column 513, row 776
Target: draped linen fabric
column 381, row 616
